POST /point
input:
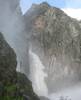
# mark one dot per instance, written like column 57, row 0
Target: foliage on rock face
column 10, row 93
column 8, row 74
column 22, row 90
column 25, row 87
column 13, row 85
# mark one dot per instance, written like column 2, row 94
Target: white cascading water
column 8, row 20
column 37, row 75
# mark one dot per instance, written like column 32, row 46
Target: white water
column 37, row 75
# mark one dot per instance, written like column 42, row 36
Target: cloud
column 72, row 7
column 74, row 13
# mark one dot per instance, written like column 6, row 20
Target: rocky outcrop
column 12, row 27
column 49, row 33
column 13, row 85
column 55, row 38
column 8, row 63
column 25, row 87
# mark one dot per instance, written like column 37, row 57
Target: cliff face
column 55, row 38
column 13, row 85
column 8, row 75
column 25, row 87
column 49, row 33
column 8, row 63
column 12, row 27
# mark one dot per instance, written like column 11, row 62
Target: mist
column 43, row 70
column 37, row 75
column 12, row 27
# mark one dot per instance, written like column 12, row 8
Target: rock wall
column 13, row 85
column 55, row 38
column 8, row 63
column 12, row 27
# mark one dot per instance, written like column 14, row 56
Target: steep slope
column 13, row 85
column 25, row 88
column 55, row 38
column 12, row 27
column 7, row 63
column 8, row 75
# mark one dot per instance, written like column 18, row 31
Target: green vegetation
column 11, row 98
column 10, row 93
column 13, row 85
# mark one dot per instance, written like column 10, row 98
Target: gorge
column 47, row 43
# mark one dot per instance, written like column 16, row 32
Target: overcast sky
column 71, row 7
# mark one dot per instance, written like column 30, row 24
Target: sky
column 71, row 7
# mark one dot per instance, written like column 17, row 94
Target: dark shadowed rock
column 8, row 62
column 25, row 87
column 12, row 27
column 13, row 85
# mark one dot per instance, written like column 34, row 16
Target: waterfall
column 37, row 75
